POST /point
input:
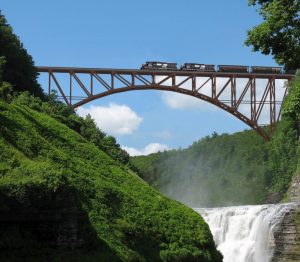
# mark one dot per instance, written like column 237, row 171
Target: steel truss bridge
column 83, row 85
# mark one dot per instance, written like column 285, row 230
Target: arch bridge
column 247, row 96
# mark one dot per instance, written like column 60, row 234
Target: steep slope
column 62, row 198
column 215, row 171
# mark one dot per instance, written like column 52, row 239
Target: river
column 245, row 233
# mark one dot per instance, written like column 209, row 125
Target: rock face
column 287, row 232
column 294, row 192
column 287, row 237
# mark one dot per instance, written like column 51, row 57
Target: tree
column 18, row 69
column 279, row 33
column 291, row 106
column 2, row 64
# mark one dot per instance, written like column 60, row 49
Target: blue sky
column 124, row 34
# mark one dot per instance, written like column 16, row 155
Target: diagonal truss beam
column 243, row 94
column 81, row 84
column 59, row 87
column 101, row 81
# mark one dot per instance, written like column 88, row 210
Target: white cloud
column 149, row 149
column 114, row 119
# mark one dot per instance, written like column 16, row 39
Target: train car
column 233, row 69
column 197, row 67
column 266, row 70
column 153, row 65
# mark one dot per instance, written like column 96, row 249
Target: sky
column 125, row 34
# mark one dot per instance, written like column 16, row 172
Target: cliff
column 294, row 191
column 287, row 232
column 287, row 237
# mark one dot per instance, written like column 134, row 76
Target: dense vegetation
column 230, row 169
column 85, row 127
column 41, row 157
column 218, row 170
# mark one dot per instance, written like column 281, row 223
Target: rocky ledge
column 287, row 236
column 294, row 192
column 287, row 231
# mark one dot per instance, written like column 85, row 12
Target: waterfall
column 245, row 233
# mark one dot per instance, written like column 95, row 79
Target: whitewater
column 245, row 233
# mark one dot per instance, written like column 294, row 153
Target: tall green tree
column 279, row 33
column 2, row 64
column 18, row 68
column 291, row 107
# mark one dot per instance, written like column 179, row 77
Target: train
column 159, row 65
column 155, row 65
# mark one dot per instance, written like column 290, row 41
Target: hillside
column 62, row 198
column 221, row 170
column 216, row 171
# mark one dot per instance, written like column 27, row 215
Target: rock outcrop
column 287, row 236
column 294, row 192
column 287, row 232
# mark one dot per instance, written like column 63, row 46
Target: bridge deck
column 79, row 70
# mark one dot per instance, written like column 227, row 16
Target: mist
column 218, row 170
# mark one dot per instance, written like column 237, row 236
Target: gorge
column 244, row 182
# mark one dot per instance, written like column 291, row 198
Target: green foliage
column 226, row 169
column 85, row 127
column 19, row 68
column 43, row 160
column 282, row 157
column 5, row 91
column 2, row 64
column 215, row 171
column 291, row 107
column 279, row 33
column 108, row 144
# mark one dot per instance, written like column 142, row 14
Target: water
column 245, row 233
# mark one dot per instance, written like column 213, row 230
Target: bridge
column 232, row 92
